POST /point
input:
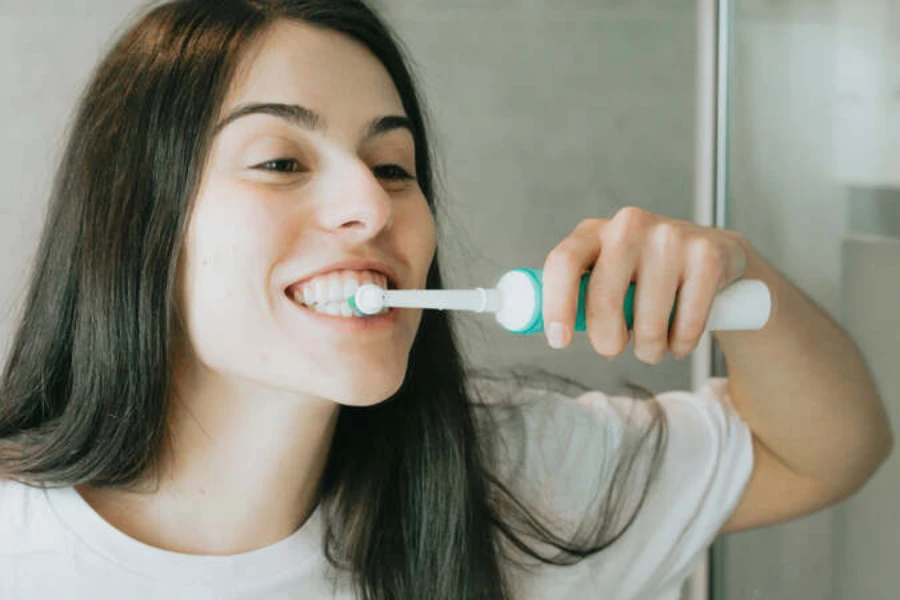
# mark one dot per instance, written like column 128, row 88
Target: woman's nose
column 355, row 202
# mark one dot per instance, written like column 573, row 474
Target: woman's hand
column 663, row 257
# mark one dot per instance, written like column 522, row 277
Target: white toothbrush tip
column 368, row 299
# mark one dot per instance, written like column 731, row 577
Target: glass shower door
column 812, row 179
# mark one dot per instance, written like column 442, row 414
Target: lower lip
column 352, row 324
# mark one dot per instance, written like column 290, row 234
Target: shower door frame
column 710, row 185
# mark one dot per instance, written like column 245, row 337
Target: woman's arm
column 800, row 383
column 804, row 389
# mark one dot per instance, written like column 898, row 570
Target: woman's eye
column 393, row 172
column 280, row 165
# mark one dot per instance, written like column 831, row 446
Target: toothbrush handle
column 745, row 305
column 628, row 308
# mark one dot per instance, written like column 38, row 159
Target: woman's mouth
column 328, row 295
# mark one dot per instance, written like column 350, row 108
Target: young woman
column 183, row 415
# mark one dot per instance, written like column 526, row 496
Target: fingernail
column 557, row 335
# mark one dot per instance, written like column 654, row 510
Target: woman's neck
column 242, row 471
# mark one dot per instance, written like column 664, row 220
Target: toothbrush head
column 368, row 300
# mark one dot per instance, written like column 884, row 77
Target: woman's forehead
column 326, row 71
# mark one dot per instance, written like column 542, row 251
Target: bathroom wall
column 49, row 49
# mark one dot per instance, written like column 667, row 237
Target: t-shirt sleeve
column 566, row 461
column 706, row 462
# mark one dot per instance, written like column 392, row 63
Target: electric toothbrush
column 516, row 302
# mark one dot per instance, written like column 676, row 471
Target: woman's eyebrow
column 300, row 116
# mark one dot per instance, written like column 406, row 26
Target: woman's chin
column 367, row 387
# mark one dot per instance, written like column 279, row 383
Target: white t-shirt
column 54, row 546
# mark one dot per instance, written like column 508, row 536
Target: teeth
column 329, row 294
column 320, row 290
column 335, row 289
column 350, row 287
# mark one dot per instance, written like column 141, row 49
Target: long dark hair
column 412, row 508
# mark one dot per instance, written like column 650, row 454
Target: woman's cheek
column 255, row 215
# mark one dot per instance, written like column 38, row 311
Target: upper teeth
column 336, row 286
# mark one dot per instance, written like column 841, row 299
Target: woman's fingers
column 562, row 273
column 660, row 272
column 668, row 260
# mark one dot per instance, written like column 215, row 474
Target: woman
column 180, row 416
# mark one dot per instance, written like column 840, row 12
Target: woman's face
column 315, row 178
